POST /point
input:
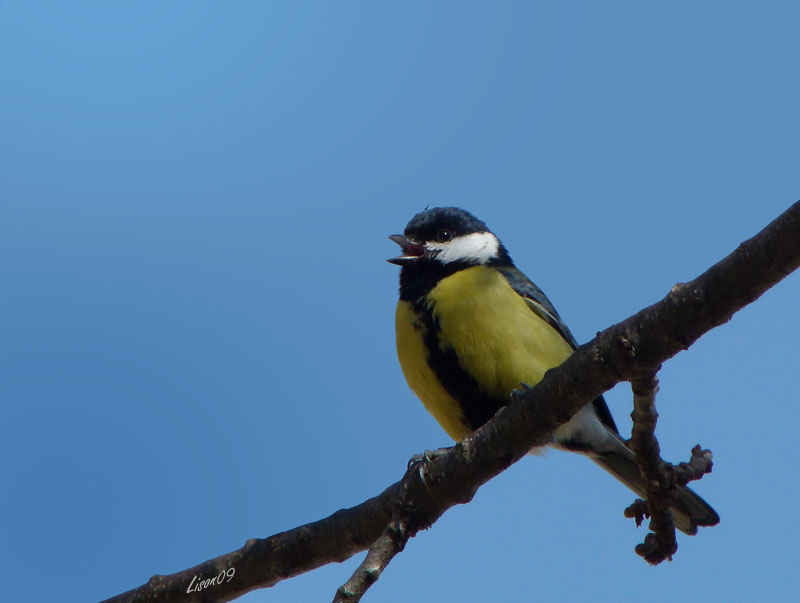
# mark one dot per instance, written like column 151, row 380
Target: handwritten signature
column 223, row 576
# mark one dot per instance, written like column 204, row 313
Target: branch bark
column 627, row 351
column 381, row 552
column 661, row 544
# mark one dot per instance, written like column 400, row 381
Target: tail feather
column 689, row 509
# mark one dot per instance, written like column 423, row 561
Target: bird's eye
column 444, row 235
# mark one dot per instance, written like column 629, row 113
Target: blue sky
column 196, row 319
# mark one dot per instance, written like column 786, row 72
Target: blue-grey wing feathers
column 538, row 303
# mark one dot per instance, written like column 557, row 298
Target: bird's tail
column 688, row 511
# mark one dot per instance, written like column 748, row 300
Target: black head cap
column 427, row 225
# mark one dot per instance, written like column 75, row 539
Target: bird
column 471, row 330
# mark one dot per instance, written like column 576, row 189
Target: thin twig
column 406, row 521
column 392, row 541
column 700, row 464
column 661, row 544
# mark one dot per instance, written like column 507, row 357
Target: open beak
column 411, row 251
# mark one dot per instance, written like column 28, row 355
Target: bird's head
column 448, row 236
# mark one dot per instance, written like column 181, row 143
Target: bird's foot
column 418, row 461
column 516, row 394
column 428, row 455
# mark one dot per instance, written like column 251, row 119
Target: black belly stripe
column 476, row 406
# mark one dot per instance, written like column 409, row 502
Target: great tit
column 471, row 328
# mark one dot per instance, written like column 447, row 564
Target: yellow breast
column 497, row 338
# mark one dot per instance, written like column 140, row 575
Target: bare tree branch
column 661, row 544
column 662, row 478
column 264, row 562
column 697, row 467
column 390, row 543
column 624, row 352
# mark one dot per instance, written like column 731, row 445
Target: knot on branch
column 637, row 511
column 654, row 550
column 700, row 463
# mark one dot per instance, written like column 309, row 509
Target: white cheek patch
column 476, row 247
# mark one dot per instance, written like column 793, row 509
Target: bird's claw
column 428, row 455
column 419, row 461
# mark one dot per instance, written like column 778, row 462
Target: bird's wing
column 538, row 302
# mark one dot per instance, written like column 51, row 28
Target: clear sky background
column 196, row 315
